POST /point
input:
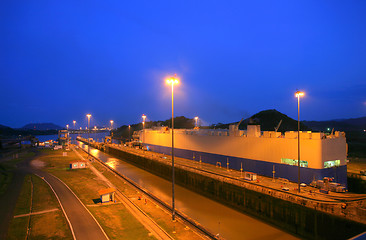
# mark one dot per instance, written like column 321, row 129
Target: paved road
column 83, row 224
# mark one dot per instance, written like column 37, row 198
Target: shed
column 77, row 164
column 107, row 195
column 250, row 176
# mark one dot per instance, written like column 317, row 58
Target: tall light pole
column 196, row 118
column 74, row 122
column 172, row 81
column 67, row 127
column 143, row 120
column 143, row 126
column 88, row 115
column 129, row 130
column 111, row 128
column 298, row 94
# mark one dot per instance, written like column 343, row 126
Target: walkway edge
column 68, row 221
column 83, row 206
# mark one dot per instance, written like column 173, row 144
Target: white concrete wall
column 269, row 149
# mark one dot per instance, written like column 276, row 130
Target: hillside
column 269, row 120
column 8, row 132
column 352, row 124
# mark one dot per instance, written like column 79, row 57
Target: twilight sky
column 60, row 60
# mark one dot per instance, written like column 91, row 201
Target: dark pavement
column 83, row 224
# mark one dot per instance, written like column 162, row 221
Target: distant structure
column 77, row 164
column 256, row 151
column 63, row 137
column 107, row 195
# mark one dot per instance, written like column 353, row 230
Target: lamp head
column 172, row 80
column 299, row 94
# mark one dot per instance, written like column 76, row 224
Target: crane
column 278, row 126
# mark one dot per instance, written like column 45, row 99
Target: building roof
column 106, row 191
column 81, row 161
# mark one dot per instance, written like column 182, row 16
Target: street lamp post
column 111, row 128
column 88, row 115
column 298, row 94
column 196, row 118
column 129, row 131
column 74, row 122
column 143, row 126
column 172, row 81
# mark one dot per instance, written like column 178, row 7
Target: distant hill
column 352, row 124
column 41, row 126
column 8, row 132
column 269, row 120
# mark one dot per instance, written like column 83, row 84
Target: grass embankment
column 178, row 229
column 7, row 166
column 49, row 225
column 116, row 221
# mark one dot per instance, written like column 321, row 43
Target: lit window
column 334, row 163
column 293, row 162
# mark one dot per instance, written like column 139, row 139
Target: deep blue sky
column 60, row 60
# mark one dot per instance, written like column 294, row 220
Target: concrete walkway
column 36, row 213
column 83, row 224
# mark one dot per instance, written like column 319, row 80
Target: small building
column 63, row 137
column 77, row 164
column 250, row 176
column 107, row 195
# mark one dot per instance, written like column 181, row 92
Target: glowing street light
column 172, row 81
column 143, row 119
column 129, row 130
column 67, row 127
column 74, row 122
column 111, row 127
column 298, row 94
column 143, row 126
column 88, row 116
column 196, row 118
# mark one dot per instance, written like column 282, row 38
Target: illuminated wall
column 315, row 151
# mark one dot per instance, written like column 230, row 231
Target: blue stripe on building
column 260, row 167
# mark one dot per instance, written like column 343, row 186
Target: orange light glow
column 299, row 94
column 172, row 80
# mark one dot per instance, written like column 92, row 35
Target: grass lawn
column 51, row 225
column 119, row 224
column 6, row 169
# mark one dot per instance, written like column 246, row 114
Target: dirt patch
column 38, row 163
